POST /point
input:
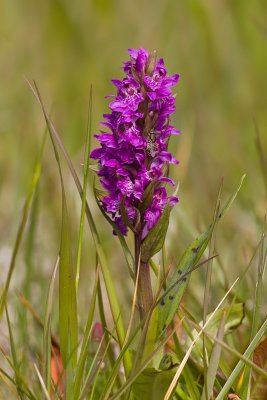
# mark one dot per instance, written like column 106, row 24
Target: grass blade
column 85, row 342
column 214, row 362
column 14, row 357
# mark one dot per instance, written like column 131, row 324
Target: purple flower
column 133, row 157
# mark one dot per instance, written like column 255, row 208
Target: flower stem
column 144, row 281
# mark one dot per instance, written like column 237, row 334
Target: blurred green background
column 220, row 49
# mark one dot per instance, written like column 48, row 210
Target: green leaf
column 147, row 196
column 152, row 384
column 168, row 361
column 174, row 292
column 68, row 325
column 154, row 241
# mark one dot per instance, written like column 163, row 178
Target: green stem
column 144, row 281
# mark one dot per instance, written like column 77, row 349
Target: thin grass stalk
column 46, row 394
column 98, row 370
column 14, row 357
column 214, row 362
column 89, row 372
column 86, row 338
column 187, row 374
column 25, row 389
column 206, row 304
column 104, row 324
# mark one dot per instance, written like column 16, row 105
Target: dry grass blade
column 42, row 382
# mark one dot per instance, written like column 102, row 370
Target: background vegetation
column 219, row 48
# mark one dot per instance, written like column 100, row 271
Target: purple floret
column 133, row 158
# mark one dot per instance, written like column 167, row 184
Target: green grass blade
column 207, row 292
column 68, row 324
column 29, row 273
column 104, row 323
column 25, row 214
column 84, row 349
column 24, row 387
column 214, row 362
column 99, row 369
column 85, row 181
column 14, row 357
